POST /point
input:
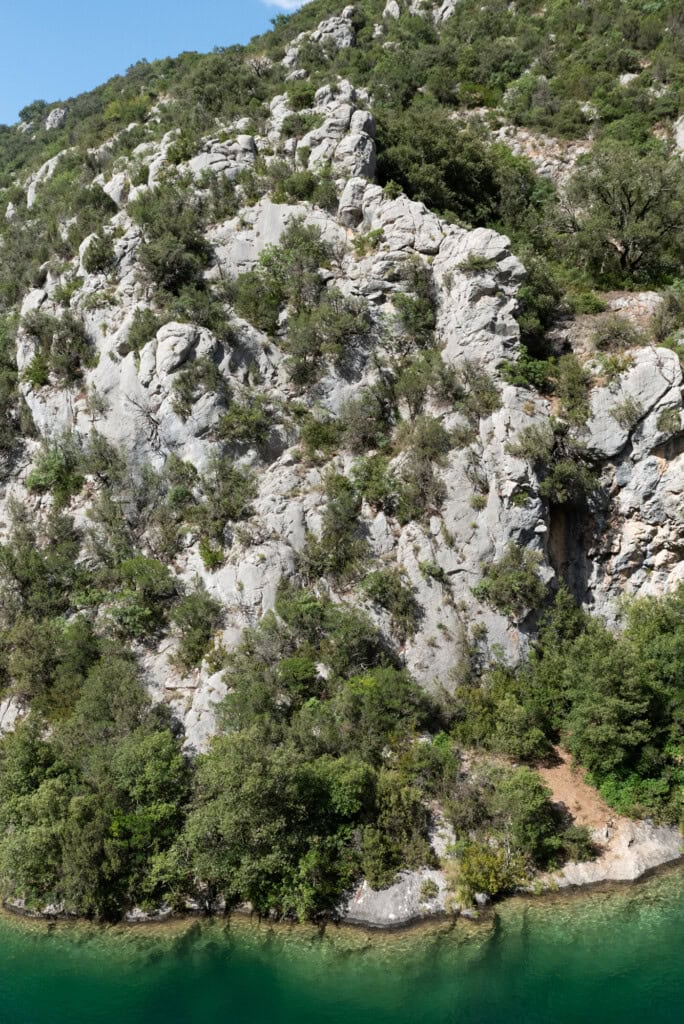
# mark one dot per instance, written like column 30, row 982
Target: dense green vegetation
column 613, row 700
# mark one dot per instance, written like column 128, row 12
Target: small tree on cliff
column 628, row 213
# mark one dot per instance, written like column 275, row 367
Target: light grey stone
column 55, row 119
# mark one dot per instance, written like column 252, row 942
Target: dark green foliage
column 59, row 469
column 195, row 618
column 341, row 547
column 320, row 437
column 248, row 421
column 200, row 377
column 175, row 251
column 421, row 491
column 331, row 330
column 227, row 492
column 389, row 589
column 38, row 568
column 512, row 584
column 572, row 387
column 426, row 439
column 375, row 482
column 99, row 257
column 86, row 812
column 563, row 464
column 615, row 699
column 630, row 212
column 284, row 797
column 198, row 304
column 363, row 422
column 63, row 347
column 436, row 161
column 147, row 589
column 287, row 274
column 144, row 326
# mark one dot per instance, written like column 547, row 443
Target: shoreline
column 427, row 923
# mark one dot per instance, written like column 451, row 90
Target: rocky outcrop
column 398, row 905
column 633, row 849
column 337, row 32
column 55, row 119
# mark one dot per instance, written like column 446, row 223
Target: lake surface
column 598, row 957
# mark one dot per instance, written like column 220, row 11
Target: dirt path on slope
column 581, row 800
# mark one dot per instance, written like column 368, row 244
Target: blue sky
column 53, row 49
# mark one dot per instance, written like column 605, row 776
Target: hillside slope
column 264, row 345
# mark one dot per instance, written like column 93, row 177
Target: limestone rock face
column 228, row 158
column 55, row 119
column 679, row 134
column 630, row 406
column 638, row 847
column 336, row 31
column 397, row 905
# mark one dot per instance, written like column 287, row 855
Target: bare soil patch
column 569, row 788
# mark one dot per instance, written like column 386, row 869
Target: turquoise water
column 600, row 957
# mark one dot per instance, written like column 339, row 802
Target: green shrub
column 476, row 263
column 527, row 372
column 174, row 251
column 320, row 436
column 375, row 482
column 572, row 387
column 481, row 397
column 249, row 421
column 670, row 314
column 512, row 584
column 201, row 377
column 198, row 304
column 421, row 492
column 37, row 373
column 195, row 618
column 427, row 440
column 670, row 420
column 569, row 481
column 341, row 547
column 228, row 491
column 534, row 443
column 587, row 302
column 363, row 423
column 431, row 571
column 142, row 605
column 330, row 330
column 627, row 413
column 286, row 274
column 300, row 94
column 99, row 257
column 429, row 891
column 64, row 293
column 415, row 316
column 143, row 329
column 59, row 469
column 615, row 332
column 368, row 242
column 389, row 589
column 296, row 125
column 62, row 343
column 489, row 870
